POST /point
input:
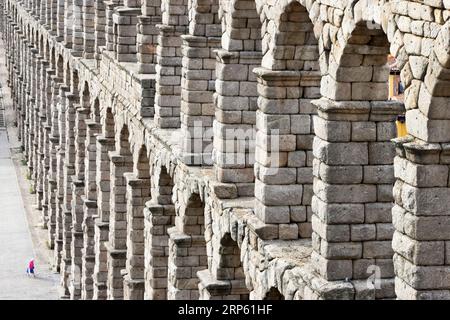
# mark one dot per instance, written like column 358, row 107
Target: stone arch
column 187, row 245
column 359, row 71
column 96, row 111
column 291, row 41
column 228, row 271
column 142, row 163
column 121, row 164
column 41, row 45
column 123, row 142
column 159, row 218
column 203, row 18
column 241, row 26
column 289, row 80
column 427, row 117
column 108, row 123
column 273, row 294
column 194, row 209
column 138, row 193
column 355, row 119
column 424, row 149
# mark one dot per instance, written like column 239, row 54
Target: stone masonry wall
column 236, row 149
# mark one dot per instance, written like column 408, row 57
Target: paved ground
column 21, row 235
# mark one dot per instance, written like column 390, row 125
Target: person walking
column 30, row 269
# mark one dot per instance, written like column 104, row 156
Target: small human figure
column 30, row 269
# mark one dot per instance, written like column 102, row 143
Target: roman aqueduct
column 236, row 149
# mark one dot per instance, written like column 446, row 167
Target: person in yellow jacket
column 401, row 126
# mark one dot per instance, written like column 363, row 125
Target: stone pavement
column 16, row 240
column 16, row 247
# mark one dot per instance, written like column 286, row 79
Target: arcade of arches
column 237, row 149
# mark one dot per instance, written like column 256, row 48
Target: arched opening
column 53, row 58
column 68, row 74
column 362, row 66
column 187, row 247
column 60, row 68
column 230, row 269
column 95, row 114
column 294, row 45
column 86, row 101
column 289, row 80
column 225, row 279
column 108, row 127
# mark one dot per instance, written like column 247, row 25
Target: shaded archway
column 226, row 278
column 230, row 268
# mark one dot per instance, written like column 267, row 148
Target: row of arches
column 292, row 13
column 320, row 82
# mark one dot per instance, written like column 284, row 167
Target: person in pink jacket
column 30, row 269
